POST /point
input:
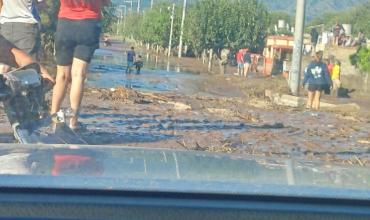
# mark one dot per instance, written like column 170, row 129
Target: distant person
column 239, row 60
column 107, row 42
column 348, row 41
column 224, row 59
column 336, row 76
column 247, row 58
column 317, row 77
column 20, row 24
column 338, row 31
column 139, row 64
column 77, row 37
column 360, row 39
column 330, row 64
column 314, row 38
column 254, row 64
column 131, row 57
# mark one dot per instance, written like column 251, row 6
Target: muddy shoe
column 58, row 117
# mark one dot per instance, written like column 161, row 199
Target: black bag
column 343, row 93
column 327, row 89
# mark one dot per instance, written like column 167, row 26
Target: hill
column 314, row 7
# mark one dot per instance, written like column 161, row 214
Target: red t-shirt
column 330, row 69
column 81, row 9
column 239, row 56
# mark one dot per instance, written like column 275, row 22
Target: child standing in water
column 139, row 64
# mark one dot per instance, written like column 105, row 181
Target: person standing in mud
column 77, row 38
column 317, row 77
column 247, row 58
column 131, row 58
column 314, row 38
column 224, row 60
column 335, row 77
column 20, row 24
column 239, row 60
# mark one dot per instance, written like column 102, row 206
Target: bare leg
column 4, row 68
column 316, row 104
column 246, row 70
column 59, row 91
column 78, row 80
column 310, row 99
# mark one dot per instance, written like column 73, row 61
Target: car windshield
column 222, row 96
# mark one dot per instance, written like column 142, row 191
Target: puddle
column 107, row 70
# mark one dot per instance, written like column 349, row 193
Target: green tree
column 218, row 24
column 109, row 18
column 49, row 25
column 362, row 59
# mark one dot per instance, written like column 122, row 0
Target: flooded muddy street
column 167, row 106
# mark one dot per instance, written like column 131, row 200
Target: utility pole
column 295, row 74
column 119, row 20
column 171, row 33
column 182, row 28
column 129, row 2
column 151, row 4
column 138, row 6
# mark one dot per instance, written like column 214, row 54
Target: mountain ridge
column 313, row 7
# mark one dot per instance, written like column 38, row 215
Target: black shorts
column 76, row 39
column 315, row 87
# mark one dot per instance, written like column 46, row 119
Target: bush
column 361, row 59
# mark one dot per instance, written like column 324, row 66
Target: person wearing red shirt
column 77, row 38
column 330, row 64
column 239, row 60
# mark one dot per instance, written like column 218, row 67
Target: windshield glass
column 221, row 94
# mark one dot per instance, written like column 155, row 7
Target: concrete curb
column 296, row 102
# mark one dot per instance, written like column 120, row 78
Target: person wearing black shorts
column 318, row 79
column 77, row 38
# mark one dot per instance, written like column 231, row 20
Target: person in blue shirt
column 131, row 58
column 318, row 79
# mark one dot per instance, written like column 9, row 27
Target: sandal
column 58, row 117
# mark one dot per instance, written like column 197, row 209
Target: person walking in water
column 139, row 64
column 317, row 77
column 131, row 58
column 77, row 38
column 20, row 24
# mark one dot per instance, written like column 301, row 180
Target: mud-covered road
column 169, row 107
